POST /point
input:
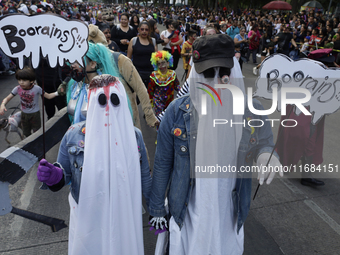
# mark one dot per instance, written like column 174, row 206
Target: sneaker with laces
column 255, row 70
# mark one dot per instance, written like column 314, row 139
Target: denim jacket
column 172, row 165
column 71, row 157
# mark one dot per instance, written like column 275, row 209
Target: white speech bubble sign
column 323, row 83
column 55, row 37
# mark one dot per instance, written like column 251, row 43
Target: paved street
column 285, row 218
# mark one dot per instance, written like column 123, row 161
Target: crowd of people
column 257, row 33
column 130, row 62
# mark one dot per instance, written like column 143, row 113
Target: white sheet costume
column 210, row 225
column 108, row 218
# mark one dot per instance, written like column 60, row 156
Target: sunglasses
column 144, row 29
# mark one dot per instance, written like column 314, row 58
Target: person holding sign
column 29, row 100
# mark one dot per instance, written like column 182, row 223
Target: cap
column 213, row 51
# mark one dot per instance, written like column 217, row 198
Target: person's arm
column 63, row 158
column 164, row 160
column 131, row 76
column 130, row 49
column 293, row 42
column 251, row 34
column 179, row 42
column 236, row 41
column 51, row 95
column 4, row 102
column 177, row 86
column 151, row 89
column 144, row 167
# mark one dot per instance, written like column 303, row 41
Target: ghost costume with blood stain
column 109, row 219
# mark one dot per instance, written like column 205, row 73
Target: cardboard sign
column 55, row 37
column 323, row 83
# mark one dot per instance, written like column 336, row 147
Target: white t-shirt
column 29, row 99
column 166, row 34
column 34, row 8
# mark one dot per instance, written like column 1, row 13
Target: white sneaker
column 255, row 70
column 10, row 72
column 258, row 55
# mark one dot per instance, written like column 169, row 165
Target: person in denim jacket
column 213, row 209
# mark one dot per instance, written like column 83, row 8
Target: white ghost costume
column 108, row 219
column 210, row 225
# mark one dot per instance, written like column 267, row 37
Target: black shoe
column 311, row 182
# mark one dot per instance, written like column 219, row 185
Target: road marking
column 291, row 186
column 25, row 200
column 323, row 215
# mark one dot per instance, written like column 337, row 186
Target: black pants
column 50, row 104
column 176, row 55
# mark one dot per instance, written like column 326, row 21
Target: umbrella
column 277, row 5
column 314, row 4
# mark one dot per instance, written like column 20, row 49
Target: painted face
column 162, row 65
column 25, row 84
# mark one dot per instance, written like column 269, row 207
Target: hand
column 3, row 109
column 49, row 173
column 156, row 124
column 267, row 173
column 166, row 40
column 159, row 223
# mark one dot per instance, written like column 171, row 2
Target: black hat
column 213, row 51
